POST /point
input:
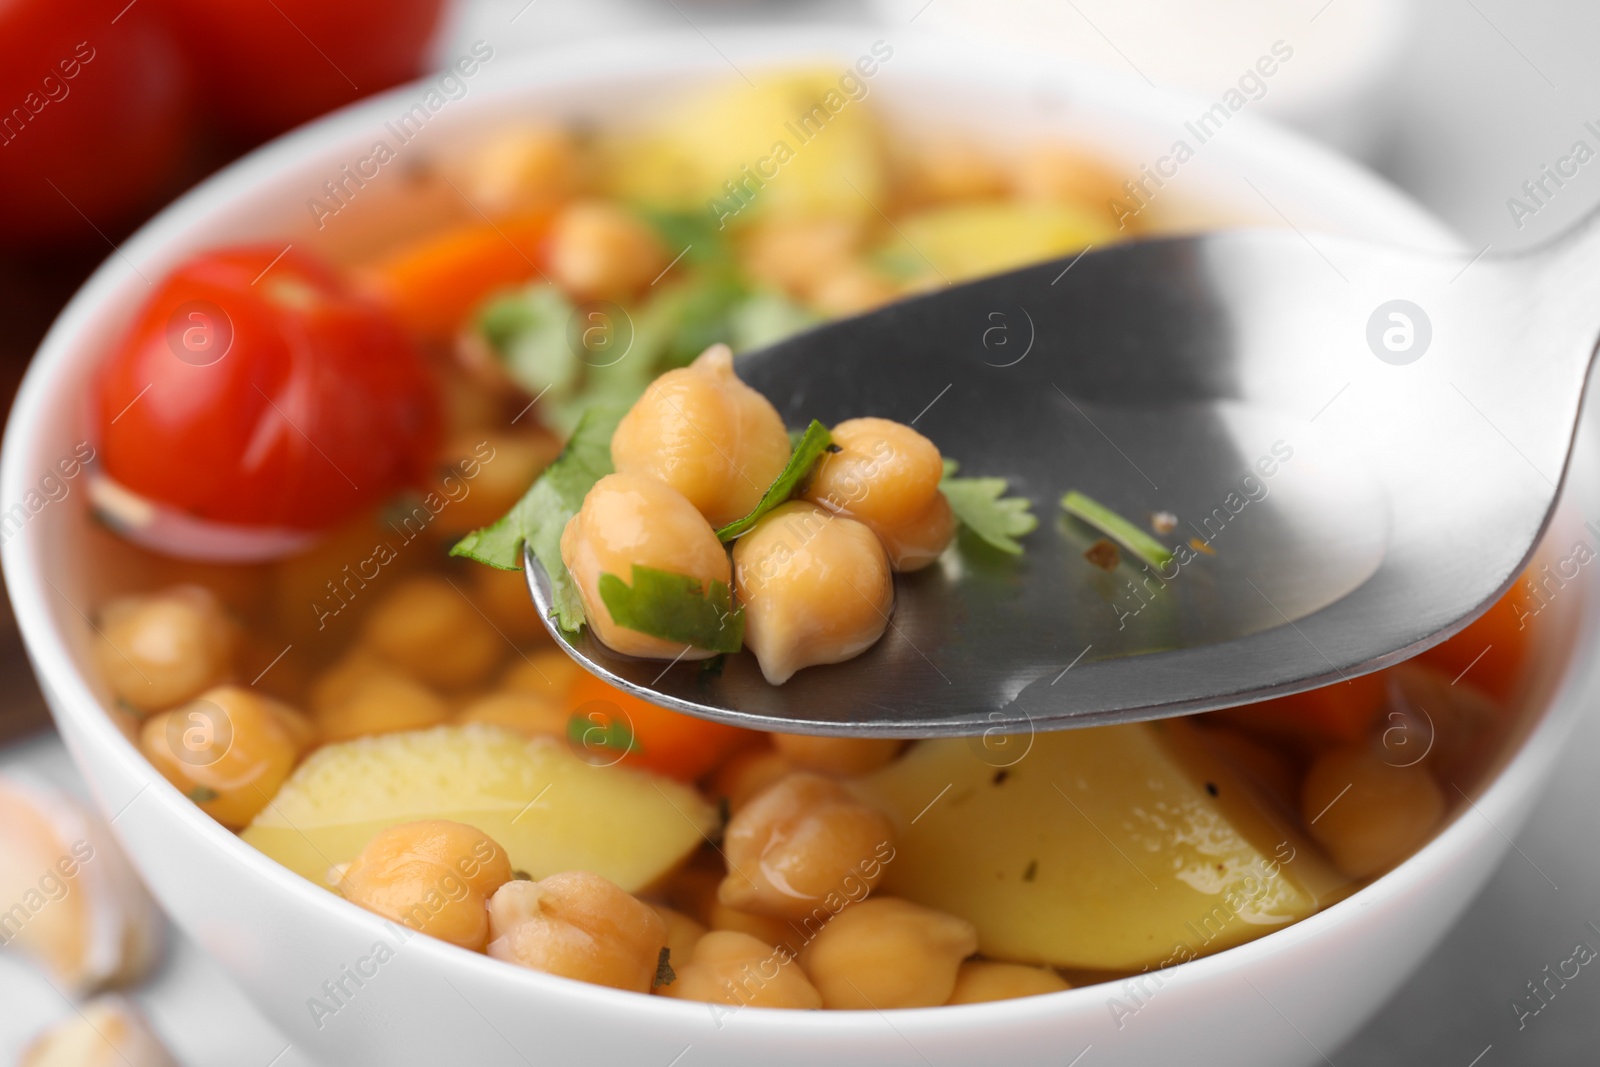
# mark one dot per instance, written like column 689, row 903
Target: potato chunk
column 1111, row 848
column 547, row 808
column 816, row 588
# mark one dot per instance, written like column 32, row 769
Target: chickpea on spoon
column 1245, row 550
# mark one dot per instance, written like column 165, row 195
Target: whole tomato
column 268, row 65
column 256, row 389
column 93, row 115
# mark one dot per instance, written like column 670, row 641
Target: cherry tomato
column 268, row 65
column 257, row 389
column 93, row 119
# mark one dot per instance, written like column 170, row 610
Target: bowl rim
column 658, row 55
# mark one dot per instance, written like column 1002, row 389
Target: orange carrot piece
column 1343, row 713
column 435, row 282
column 1490, row 652
column 606, row 723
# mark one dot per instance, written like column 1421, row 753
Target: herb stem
column 1117, row 528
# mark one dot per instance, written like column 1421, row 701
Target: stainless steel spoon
column 1363, row 444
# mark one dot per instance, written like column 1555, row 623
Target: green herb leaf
column 983, row 508
column 600, row 730
column 201, row 794
column 767, row 317
column 812, row 444
column 528, row 332
column 664, row 972
column 675, row 607
column 539, row 517
column 694, row 233
column 1117, row 528
column 684, row 319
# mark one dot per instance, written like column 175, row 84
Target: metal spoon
column 1364, row 444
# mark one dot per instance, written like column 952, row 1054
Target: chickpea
column 428, row 629
column 843, row 756
column 979, row 981
column 525, row 713
column 816, row 588
column 851, row 289
column 160, row 650
column 362, row 695
column 229, row 750
column 1057, row 174
column 435, row 876
column 888, row 953
column 503, row 598
column 629, row 519
column 946, row 169
column 708, row 435
column 887, row 475
column 747, row 774
column 693, row 889
column 548, row 673
column 799, row 254
column 799, row 844
column 682, row 933
column 483, row 474
column 521, row 168
column 599, row 250
column 733, row 968
column 779, row 933
column 578, row 925
column 1367, row 813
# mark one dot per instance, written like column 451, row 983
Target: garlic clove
column 107, row 1032
column 68, row 897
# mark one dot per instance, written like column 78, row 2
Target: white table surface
column 1489, row 90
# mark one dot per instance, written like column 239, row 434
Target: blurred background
column 1460, row 102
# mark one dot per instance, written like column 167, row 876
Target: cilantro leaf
column 766, row 317
column 675, row 607
column 694, row 234
column 688, row 317
column 807, row 450
column 1117, row 528
column 527, row 331
column 983, row 508
column 542, row 513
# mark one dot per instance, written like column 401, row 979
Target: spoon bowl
column 1360, row 447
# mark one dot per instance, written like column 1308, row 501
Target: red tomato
column 93, row 119
column 262, row 391
column 268, row 65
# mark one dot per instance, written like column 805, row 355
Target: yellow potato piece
column 966, row 241
column 1101, row 848
column 791, row 144
column 547, row 808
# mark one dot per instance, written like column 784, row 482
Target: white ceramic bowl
column 1275, row 1001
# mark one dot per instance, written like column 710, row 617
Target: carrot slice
column 613, row 726
column 433, row 283
column 1345, row 713
column 1490, row 652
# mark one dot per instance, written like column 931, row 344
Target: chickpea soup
column 317, row 629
